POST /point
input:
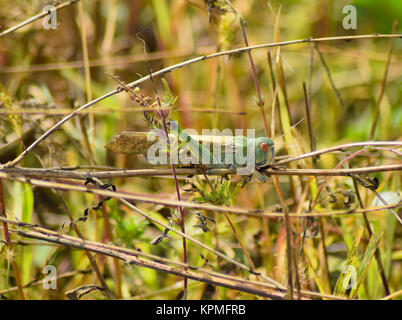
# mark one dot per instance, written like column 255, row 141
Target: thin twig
column 126, row 173
column 87, row 73
column 383, row 86
column 134, row 260
column 90, row 257
column 117, row 61
column 309, row 123
column 6, row 232
column 127, row 255
column 340, row 148
column 132, row 257
column 174, row 203
column 63, row 111
column 253, row 69
column 37, row 17
column 331, row 80
column 289, row 246
column 51, row 236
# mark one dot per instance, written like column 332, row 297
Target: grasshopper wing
column 129, row 142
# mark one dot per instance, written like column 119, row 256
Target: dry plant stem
column 337, row 93
column 127, row 255
column 64, row 111
column 101, row 245
column 43, row 234
column 187, row 237
column 6, row 232
column 132, row 259
column 243, row 248
column 118, row 173
column 181, row 65
column 308, row 99
column 289, row 250
column 340, row 148
column 393, row 295
column 310, row 72
column 282, row 86
column 197, row 242
column 180, row 207
column 297, row 277
column 298, row 209
column 110, row 28
column 253, row 70
column 383, row 86
column 89, row 147
column 325, row 253
column 289, row 254
column 121, row 60
column 166, row 54
column 274, row 103
column 163, row 117
column 123, row 250
column 271, row 70
column 275, row 98
column 312, row 148
column 233, row 229
column 130, row 205
column 86, row 147
column 36, row 17
column 134, row 253
column 108, row 237
column 370, row 232
column 174, row 203
column 111, row 248
column 84, row 43
column 309, row 123
column 90, row 257
column 55, row 127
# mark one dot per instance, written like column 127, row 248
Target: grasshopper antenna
column 291, row 128
column 150, row 72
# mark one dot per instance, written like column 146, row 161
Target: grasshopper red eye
column 264, row 147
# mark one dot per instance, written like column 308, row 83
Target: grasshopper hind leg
column 260, row 176
column 257, row 174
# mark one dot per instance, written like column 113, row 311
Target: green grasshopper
column 207, row 151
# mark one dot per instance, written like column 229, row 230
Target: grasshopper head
column 264, row 152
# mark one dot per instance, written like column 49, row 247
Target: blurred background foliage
column 42, row 75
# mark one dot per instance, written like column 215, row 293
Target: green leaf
column 27, row 203
column 168, row 99
column 27, row 209
column 368, row 257
column 349, row 267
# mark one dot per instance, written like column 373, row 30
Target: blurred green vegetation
column 43, row 70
